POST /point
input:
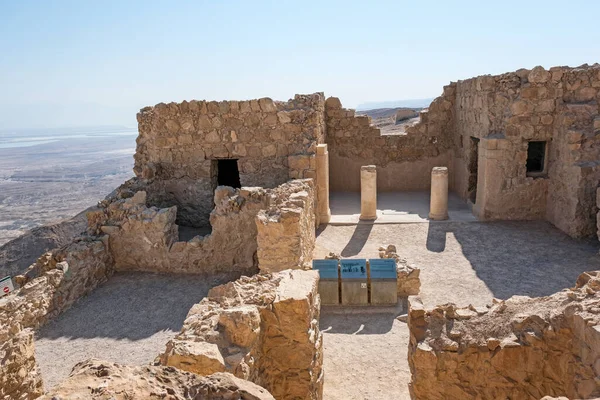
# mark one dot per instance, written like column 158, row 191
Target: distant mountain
column 411, row 103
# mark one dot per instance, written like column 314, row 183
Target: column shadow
column 358, row 240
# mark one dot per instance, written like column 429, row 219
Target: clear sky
column 78, row 62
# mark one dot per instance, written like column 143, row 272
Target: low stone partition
column 409, row 282
column 277, row 223
column 48, row 287
column 146, row 238
column 264, row 328
column 286, row 230
column 521, row 348
column 95, row 379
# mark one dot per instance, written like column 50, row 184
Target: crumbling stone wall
column 145, row 238
column 506, row 111
column 48, row 287
column 19, row 373
column 404, row 161
column 101, row 380
column 286, row 230
column 179, row 144
column 264, row 328
column 409, row 281
column 521, row 348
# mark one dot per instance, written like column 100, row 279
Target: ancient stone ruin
column 237, row 190
column 519, row 348
column 99, row 380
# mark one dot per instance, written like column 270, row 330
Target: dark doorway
column 536, row 158
column 473, row 157
column 228, row 173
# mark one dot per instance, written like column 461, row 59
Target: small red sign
column 6, row 289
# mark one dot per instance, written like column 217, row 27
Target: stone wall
column 286, row 230
column 520, row 348
column 179, row 144
column 507, row 111
column 49, row 287
column 146, row 238
column 404, row 161
column 264, row 329
column 19, row 373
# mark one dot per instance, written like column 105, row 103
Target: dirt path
column 365, row 353
column 128, row 320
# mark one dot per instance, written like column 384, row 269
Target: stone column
column 368, row 192
column 438, row 208
column 323, row 210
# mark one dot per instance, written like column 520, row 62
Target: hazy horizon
column 84, row 64
column 55, row 116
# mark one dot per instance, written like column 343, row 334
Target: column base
column 438, row 217
column 368, row 217
column 325, row 218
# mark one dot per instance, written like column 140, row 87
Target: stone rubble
column 101, row 380
column 409, row 283
column 264, row 329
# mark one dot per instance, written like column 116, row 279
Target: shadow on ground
column 360, row 320
column 358, row 240
column 529, row 258
column 131, row 306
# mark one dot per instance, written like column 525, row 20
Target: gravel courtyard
column 365, row 351
column 128, row 320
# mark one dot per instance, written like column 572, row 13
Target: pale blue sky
column 80, row 62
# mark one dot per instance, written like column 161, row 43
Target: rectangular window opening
column 536, row 158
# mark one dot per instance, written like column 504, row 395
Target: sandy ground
column 128, row 320
column 365, row 354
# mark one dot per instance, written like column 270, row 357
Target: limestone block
column 267, row 105
column 538, row 75
column 201, row 358
column 299, row 162
column 286, row 230
column 293, row 339
column 241, row 325
column 333, row 103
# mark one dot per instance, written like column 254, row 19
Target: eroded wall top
column 178, row 140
